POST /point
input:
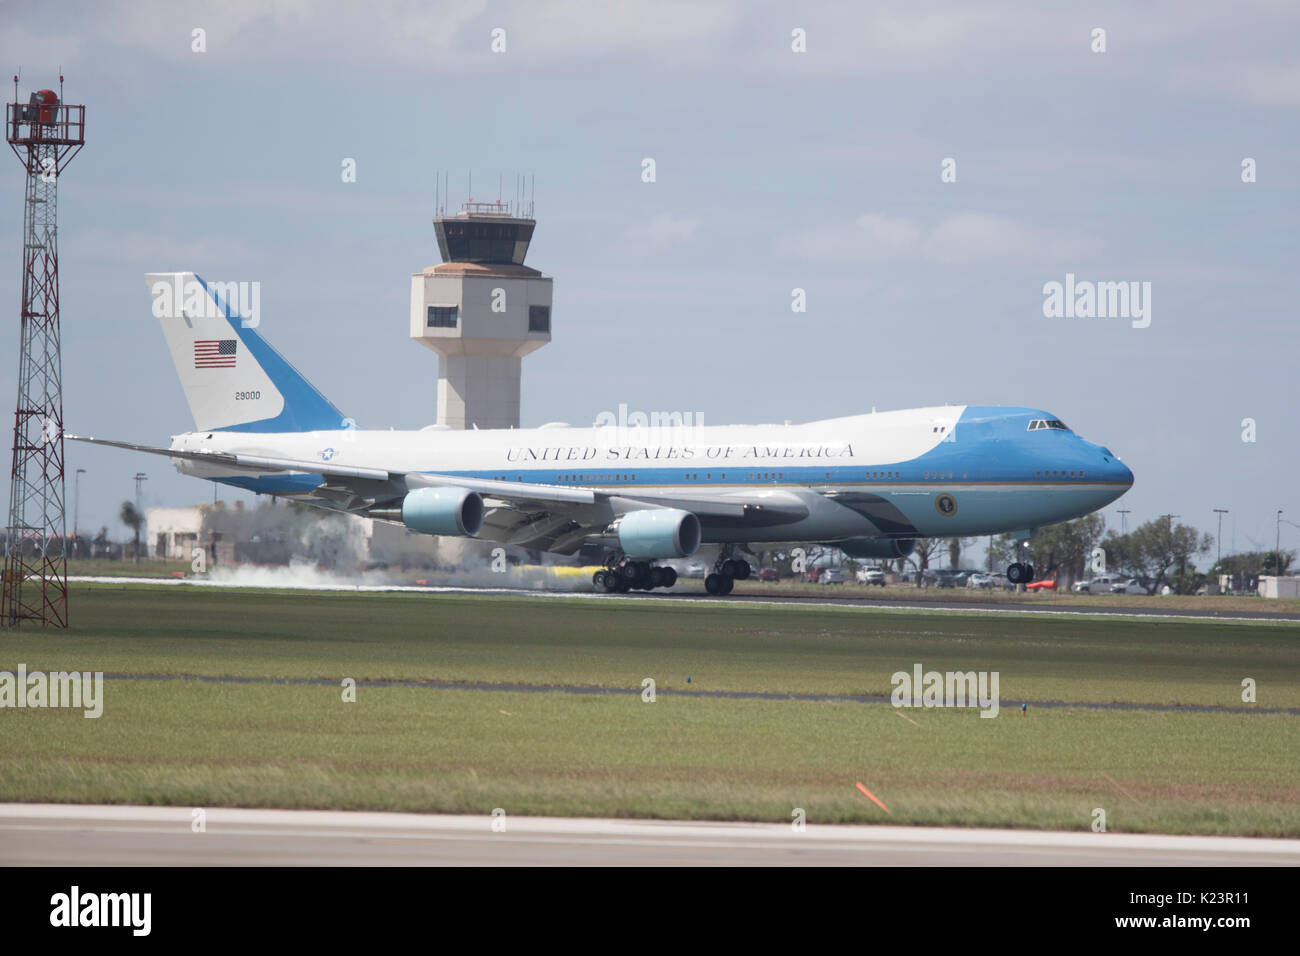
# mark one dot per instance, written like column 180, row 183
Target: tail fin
column 233, row 379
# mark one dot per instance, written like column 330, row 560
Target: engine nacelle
column 659, row 533
column 450, row 511
column 885, row 549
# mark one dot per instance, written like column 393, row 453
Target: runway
column 864, row 603
column 68, row 835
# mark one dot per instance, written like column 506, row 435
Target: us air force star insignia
column 326, row 454
column 946, row 505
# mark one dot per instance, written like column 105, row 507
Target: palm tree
column 133, row 519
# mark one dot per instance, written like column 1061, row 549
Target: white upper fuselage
column 940, row 471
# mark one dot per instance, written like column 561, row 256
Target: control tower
column 482, row 310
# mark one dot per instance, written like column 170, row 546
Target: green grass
column 146, row 568
column 411, row 748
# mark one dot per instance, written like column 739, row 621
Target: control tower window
column 539, row 318
column 442, row 316
column 464, row 240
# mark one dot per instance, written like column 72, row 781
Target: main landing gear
column 726, row 572
column 624, row 576
column 1019, row 573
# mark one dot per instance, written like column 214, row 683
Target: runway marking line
column 872, row 797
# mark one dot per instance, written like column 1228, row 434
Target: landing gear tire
column 634, row 576
column 737, row 569
column 719, row 584
column 1029, row 573
column 1018, row 573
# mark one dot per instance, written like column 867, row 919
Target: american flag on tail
column 214, row 353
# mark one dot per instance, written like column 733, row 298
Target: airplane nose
column 1112, row 467
column 1115, row 469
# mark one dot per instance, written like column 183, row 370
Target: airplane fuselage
column 949, row 471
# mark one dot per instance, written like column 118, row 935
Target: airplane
column 869, row 484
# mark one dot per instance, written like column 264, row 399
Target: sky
column 775, row 170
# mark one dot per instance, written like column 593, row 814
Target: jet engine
column 449, row 511
column 659, row 533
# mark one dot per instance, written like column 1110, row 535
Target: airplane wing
column 556, row 518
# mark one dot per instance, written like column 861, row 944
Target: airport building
column 1272, row 586
column 273, row 534
column 482, row 310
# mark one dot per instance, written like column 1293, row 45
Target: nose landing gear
column 1019, row 573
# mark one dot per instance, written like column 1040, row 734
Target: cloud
column 1271, row 85
column 411, row 34
column 966, row 237
column 664, row 229
column 893, row 37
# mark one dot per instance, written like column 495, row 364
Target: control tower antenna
column 44, row 133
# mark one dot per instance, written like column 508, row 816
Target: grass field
column 148, row 568
column 423, row 748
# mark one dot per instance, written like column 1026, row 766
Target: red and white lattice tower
column 45, row 134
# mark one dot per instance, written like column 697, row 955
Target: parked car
column 695, row 570
column 871, row 576
column 947, row 578
column 1101, row 584
column 832, row 576
column 980, row 580
column 1000, row 582
column 1131, row 586
column 768, row 574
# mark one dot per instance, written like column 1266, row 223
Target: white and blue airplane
column 869, row 484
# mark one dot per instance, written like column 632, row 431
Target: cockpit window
column 1053, row 423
